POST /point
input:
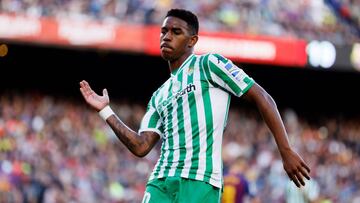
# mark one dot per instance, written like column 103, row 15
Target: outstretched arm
column 139, row 145
column 294, row 165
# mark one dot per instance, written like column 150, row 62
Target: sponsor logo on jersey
column 234, row 71
column 228, row 66
column 238, row 76
column 220, row 59
column 189, row 88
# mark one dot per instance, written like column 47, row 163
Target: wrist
column 106, row 112
column 284, row 150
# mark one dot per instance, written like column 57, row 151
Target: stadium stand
column 311, row 20
column 57, row 150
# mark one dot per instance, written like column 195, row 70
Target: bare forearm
column 135, row 143
column 294, row 166
column 270, row 113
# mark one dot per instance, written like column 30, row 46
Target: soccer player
column 236, row 185
column 188, row 113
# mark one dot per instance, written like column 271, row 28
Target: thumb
column 105, row 92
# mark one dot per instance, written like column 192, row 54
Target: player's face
column 176, row 38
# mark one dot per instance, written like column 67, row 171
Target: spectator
column 315, row 20
column 236, row 185
column 37, row 143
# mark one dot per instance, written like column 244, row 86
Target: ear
column 193, row 40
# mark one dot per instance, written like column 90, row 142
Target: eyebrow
column 176, row 29
column 173, row 28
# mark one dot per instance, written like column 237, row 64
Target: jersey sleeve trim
column 250, row 84
column 151, row 130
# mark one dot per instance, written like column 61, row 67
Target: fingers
column 85, row 85
column 83, row 92
column 294, row 179
column 300, row 179
column 297, row 179
column 105, row 92
column 297, row 176
column 305, row 166
column 85, row 88
column 304, row 173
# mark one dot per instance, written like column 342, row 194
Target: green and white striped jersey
column 189, row 111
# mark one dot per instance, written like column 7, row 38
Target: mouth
column 165, row 46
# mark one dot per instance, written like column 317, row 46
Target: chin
column 166, row 57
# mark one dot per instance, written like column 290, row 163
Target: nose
column 167, row 36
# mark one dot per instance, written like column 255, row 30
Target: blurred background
column 54, row 148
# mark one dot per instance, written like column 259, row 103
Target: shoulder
column 214, row 58
column 162, row 87
column 214, row 61
column 157, row 93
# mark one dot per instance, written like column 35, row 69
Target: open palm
column 94, row 100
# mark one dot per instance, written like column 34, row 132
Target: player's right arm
column 138, row 144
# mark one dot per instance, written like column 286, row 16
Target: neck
column 175, row 64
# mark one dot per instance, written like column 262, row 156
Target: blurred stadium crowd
column 332, row 20
column 57, row 150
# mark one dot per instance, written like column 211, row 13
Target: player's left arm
column 294, row 165
column 225, row 74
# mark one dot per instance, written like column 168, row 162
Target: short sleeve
column 227, row 75
column 151, row 120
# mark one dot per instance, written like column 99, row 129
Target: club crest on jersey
column 190, row 71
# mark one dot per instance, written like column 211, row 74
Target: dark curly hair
column 187, row 16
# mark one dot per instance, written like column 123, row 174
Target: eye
column 163, row 31
column 177, row 31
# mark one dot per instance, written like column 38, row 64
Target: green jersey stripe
column 205, row 68
column 174, row 158
column 168, row 134
column 181, row 132
column 209, row 123
column 153, row 120
column 188, row 129
column 194, row 122
column 202, row 84
column 170, row 139
column 159, row 162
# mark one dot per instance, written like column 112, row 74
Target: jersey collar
column 173, row 73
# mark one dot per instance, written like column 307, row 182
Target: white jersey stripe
column 176, row 154
column 188, row 130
